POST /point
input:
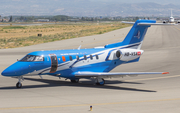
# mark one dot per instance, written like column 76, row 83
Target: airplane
column 171, row 19
column 94, row 64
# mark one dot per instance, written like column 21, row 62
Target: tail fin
column 135, row 36
column 137, row 33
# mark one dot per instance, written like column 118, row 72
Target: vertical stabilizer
column 135, row 36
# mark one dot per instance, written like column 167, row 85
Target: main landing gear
column 75, row 80
column 100, row 81
column 19, row 84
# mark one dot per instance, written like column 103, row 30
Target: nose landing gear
column 19, row 84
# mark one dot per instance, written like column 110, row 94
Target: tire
column 75, row 81
column 18, row 85
column 101, row 83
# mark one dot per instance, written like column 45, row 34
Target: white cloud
column 59, row 10
column 35, row 6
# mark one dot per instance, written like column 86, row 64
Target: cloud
column 35, row 6
column 59, row 10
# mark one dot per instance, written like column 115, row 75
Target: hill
column 85, row 8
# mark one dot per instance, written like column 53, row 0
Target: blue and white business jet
column 93, row 64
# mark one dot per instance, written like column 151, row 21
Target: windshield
column 32, row 58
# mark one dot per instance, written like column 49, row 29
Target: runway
column 141, row 94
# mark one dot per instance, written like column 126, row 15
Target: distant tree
column 82, row 18
column 136, row 18
column 21, row 18
column 63, row 18
column 60, row 18
column 10, row 20
column 92, row 19
column 87, row 19
column 25, row 19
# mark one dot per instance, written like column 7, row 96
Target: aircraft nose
column 4, row 73
column 7, row 72
column 15, row 69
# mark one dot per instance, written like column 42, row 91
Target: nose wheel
column 19, row 85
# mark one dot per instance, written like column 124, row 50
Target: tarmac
column 141, row 94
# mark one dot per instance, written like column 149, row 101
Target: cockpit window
column 32, row 58
column 39, row 58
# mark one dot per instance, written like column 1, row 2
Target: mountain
column 85, row 8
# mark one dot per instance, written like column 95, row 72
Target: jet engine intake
column 118, row 54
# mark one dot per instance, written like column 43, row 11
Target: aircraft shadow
column 87, row 84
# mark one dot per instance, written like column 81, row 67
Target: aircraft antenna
column 79, row 47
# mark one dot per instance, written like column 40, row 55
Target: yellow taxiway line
column 176, row 28
column 97, row 104
column 100, row 104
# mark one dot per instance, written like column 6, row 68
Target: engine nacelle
column 125, row 54
column 128, row 54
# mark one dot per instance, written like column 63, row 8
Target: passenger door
column 54, row 63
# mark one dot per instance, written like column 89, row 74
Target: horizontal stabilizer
column 127, row 22
column 157, row 24
column 106, row 75
column 149, row 23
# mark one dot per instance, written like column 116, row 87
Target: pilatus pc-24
column 94, row 63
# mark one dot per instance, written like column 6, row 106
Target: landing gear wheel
column 102, row 82
column 75, row 81
column 18, row 85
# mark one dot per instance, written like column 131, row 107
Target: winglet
column 165, row 73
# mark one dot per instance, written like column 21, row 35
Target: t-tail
column 135, row 36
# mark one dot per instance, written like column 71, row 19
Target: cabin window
column 70, row 58
column 91, row 57
column 97, row 57
column 77, row 57
column 85, row 58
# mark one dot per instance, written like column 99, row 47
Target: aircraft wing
column 115, row 74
